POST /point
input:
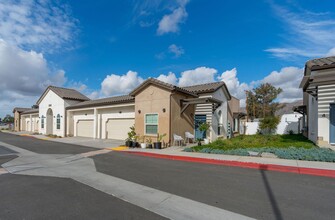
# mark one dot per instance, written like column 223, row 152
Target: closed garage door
column 85, row 128
column 118, row 128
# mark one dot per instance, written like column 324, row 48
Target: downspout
column 65, row 123
column 170, row 117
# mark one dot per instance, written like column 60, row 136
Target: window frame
column 42, row 122
column 145, row 123
column 58, row 122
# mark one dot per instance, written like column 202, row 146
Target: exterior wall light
column 164, row 110
column 139, row 111
column 323, row 115
column 120, row 112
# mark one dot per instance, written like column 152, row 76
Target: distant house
column 318, row 109
column 153, row 107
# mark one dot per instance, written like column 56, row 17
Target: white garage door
column 85, row 128
column 118, row 128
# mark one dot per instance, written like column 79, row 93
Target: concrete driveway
column 89, row 142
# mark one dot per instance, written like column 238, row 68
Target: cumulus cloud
column 29, row 29
column 170, row 23
column 196, row 76
column 120, row 84
column 169, row 78
column 235, row 87
column 24, row 72
column 24, row 75
column 40, row 25
column 176, row 50
column 288, row 79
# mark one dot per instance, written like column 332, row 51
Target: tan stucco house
column 318, row 109
column 153, row 107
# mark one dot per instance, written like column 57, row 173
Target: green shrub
column 292, row 153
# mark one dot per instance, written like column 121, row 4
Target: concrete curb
column 250, row 165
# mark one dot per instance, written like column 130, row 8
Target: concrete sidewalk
column 178, row 151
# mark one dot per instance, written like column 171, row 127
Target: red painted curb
column 250, row 165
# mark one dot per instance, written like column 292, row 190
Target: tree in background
column 260, row 101
column 8, row 119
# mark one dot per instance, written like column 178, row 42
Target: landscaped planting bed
column 295, row 147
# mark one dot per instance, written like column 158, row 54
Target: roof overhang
column 185, row 103
column 300, row 109
column 239, row 115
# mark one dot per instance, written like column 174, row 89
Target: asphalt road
column 42, row 146
column 255, row 193
column 30, row 197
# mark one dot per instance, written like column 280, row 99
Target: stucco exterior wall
column 153, row 99
column 17, row 121
column 57, row 104
column 220, row 95
column 312, row 119
column 181, row 123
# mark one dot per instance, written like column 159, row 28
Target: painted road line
column 119, row 148
column 250, row 165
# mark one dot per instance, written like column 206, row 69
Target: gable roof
column 321, row 63
column 64, row 93
column 19, row 109
column 207, row 88
column 30, row 111
column 104, row 101
column 158, row 83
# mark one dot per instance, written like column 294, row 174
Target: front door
column 332, row 124
column 198, row 120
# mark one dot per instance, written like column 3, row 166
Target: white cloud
column 288, row 78
column 24, row 72
column 24, row 75
column 170, row 23
column 176, row 50
column 170, row 78
column 331, row 52
column 120, row 84
column 308, row 34
column 196, row 76
column 40, row 25
column 234, row 86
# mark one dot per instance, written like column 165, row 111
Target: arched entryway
column 49, row 124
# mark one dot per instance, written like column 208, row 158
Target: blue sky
column 107, row 48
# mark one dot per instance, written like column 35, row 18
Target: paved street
column 57, row 180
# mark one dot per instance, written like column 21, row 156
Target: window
column 42, row 122
column 58, row 121
column 151, row 123
column 220, row 122
column 236, row 125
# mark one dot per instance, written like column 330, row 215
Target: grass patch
column 259, row 141
column 294, row 147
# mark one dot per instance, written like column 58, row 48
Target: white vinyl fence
column 288, row 122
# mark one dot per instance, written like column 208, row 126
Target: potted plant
column 199, row 141
column 149, row 142
column 131, row 135
column 135, row 143
column 143, row 144
column 203, row 128
column 158, row 144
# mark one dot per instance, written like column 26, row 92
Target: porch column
column 31, row 123
column 95, row 123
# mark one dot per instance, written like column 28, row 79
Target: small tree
column 269, row 124
column 8, row 119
